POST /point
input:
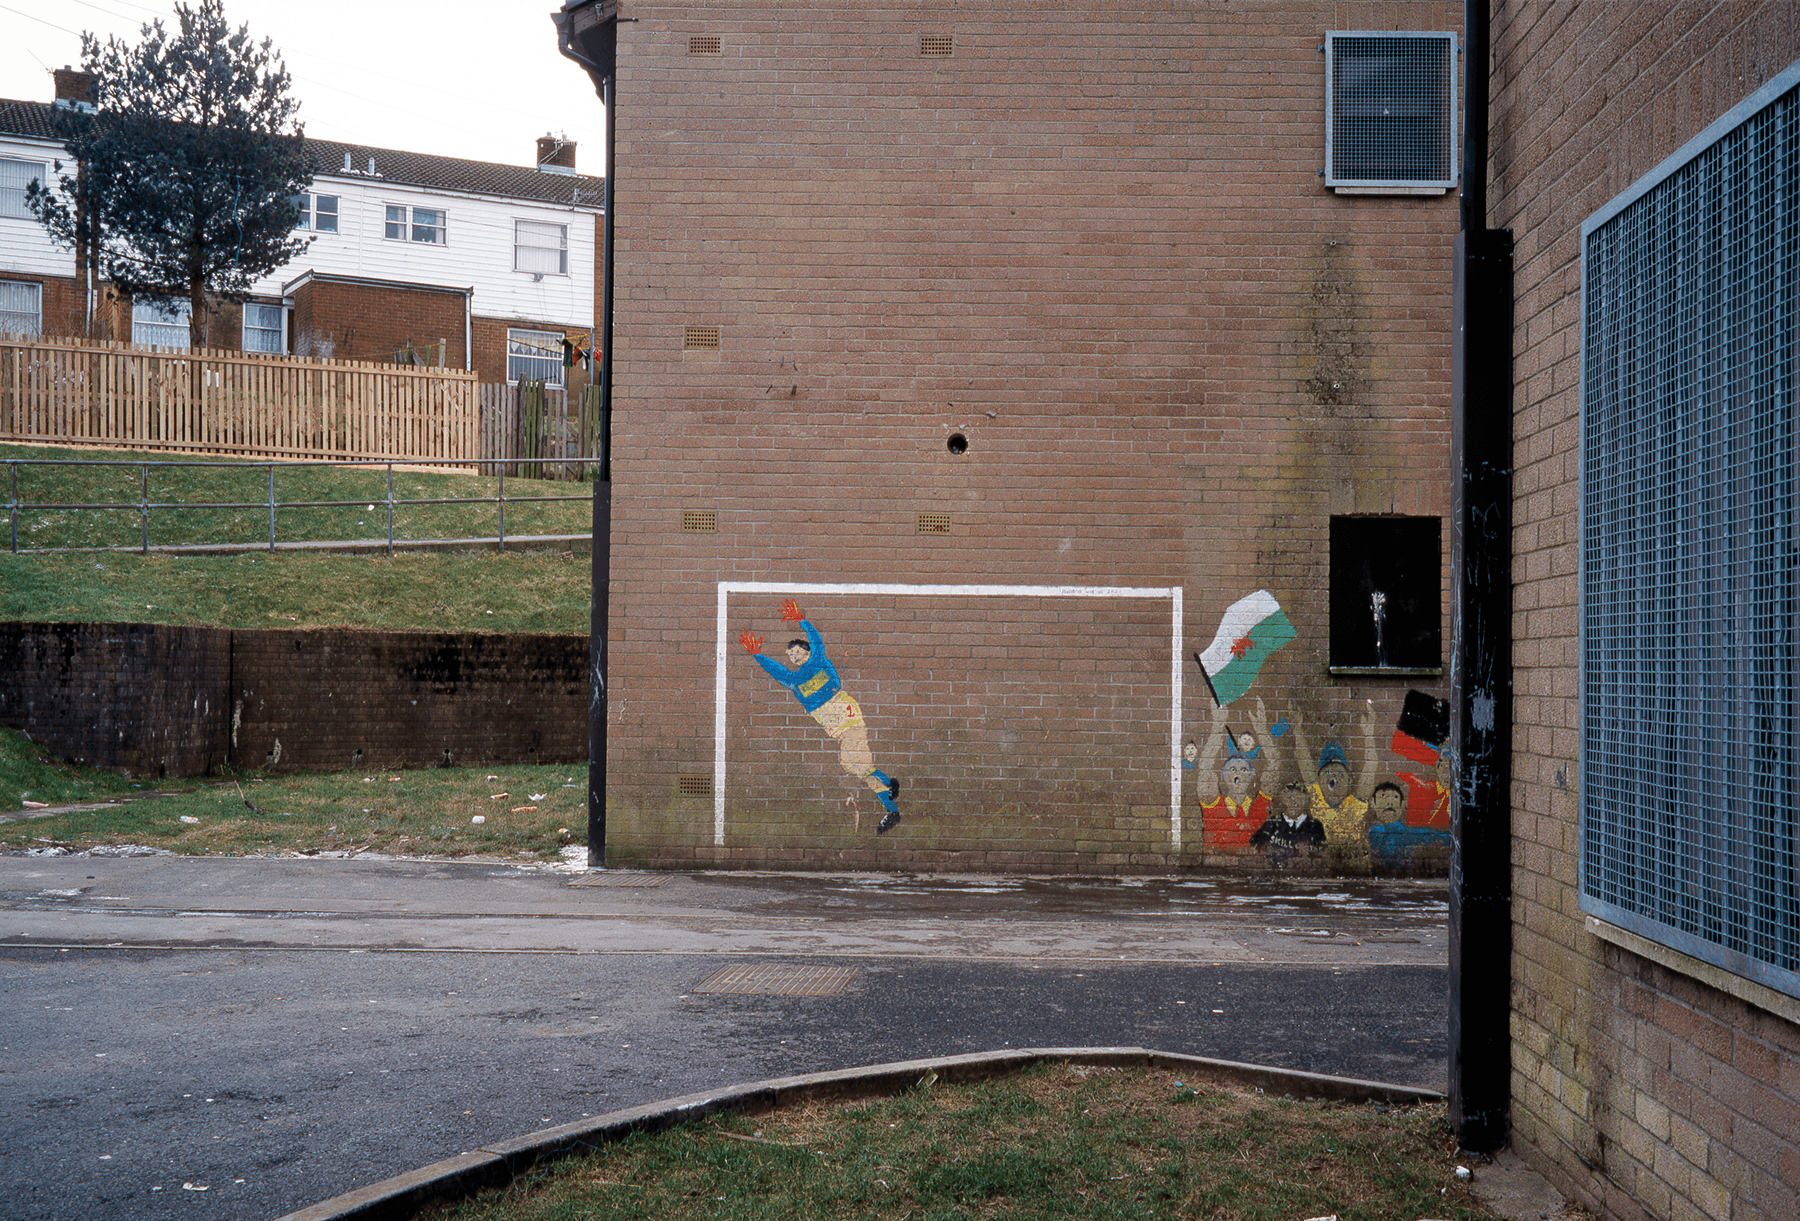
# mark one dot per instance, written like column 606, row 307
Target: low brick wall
column 179, row 701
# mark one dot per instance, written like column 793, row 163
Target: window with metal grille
column 1390, row 111
column 1690, row 780
column 21, row 308
column 534, row 356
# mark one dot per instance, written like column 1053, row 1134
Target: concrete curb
column 497, row 1164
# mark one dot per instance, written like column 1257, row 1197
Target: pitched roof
column 33, row 119
column 454, row 174
column 30, row 119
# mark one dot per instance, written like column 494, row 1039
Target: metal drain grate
column 778, row 979
column 604, row 878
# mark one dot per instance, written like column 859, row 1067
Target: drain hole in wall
column 957, row 443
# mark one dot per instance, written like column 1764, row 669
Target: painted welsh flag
column 1253, row 628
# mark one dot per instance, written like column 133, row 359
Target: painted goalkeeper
column 812, row 678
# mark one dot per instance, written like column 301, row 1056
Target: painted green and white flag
column 1253, row 628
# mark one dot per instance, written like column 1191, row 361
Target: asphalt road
column 202, row 1038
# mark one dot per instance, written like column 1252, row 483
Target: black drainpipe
column 1481, row 662
column 592, row 42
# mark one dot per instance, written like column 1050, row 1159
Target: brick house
column 1030, row 350
column 414, row 258
column 1644, row 158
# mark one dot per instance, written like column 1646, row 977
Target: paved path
column 278, row 1031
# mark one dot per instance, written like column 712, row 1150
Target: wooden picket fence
column 539, row 431
column 208, row 401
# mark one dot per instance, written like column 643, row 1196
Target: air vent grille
column 937, row 46
column 700, row 338
column 694, row 786
column 934, row 523
column 705, row 44
column 699, row 521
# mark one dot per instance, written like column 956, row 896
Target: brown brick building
column 1644, row 157
column 1016, row 344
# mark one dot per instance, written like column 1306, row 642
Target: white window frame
column 313, row 213
column 160, row 322
column 276, row 334
column 548, row 256
column 1351, row 124
column 528, row 345
column 401, row 223
column 13, row 295
column 16, row 174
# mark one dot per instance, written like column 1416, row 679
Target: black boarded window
column 1386, row 594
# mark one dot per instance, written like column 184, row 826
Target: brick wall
column 60, row 303
column 169, row 701
column 148, row 699
column 339, row 320
column 1645, row 1087
column 1095, row 244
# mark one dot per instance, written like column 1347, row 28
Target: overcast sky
column 480, row 79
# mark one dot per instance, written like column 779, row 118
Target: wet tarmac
column 219, row 1037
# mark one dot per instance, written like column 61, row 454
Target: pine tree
column 185, row 171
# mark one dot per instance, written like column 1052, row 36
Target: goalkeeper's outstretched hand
column 791, row 612
column 751, row 641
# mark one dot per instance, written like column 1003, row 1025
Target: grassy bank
column 1059, row 1141
column 524, row 813
column 528, row 591
column 226, row 501
column 516, row 591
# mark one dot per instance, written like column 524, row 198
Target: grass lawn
column 1056, row 1141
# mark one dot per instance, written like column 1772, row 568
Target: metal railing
column 144, row 505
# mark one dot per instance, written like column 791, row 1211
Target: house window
column 262, row 328
column 411, row 224
column 15, row 176
column 21, row 308
column 1390, row 112
column 1386, row 595
column 1690, row 669
column 160, row 323
column 534, row 356
column 540, row 248
column 317, row 212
